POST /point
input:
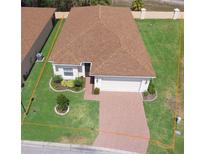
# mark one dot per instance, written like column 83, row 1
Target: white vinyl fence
column 143, row 14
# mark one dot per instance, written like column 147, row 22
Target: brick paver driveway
column 122, row 119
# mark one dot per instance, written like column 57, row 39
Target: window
column 68, row 71
column 56, row 67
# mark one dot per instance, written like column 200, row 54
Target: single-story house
column 104, row 43
column 36, row 25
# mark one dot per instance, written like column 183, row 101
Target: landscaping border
column 65, row 89
column 61, row 114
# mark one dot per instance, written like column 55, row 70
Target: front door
column 87, row 69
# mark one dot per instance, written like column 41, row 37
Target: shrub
column 22, row 84
column 100, row 2
column 78, row 82
column 151, row 88
column 62, row 102
column 137, row 5
column 77, row 88
column 57, row 79
column 67, row 83
column 146, row 93
column 25, row 77
column 97, row 91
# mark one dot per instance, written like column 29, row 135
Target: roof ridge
column 85, row 32
column 99, row 12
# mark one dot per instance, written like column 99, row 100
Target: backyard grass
column 43, row 124
column 161, row 38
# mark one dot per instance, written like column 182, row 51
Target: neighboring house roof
column 107, row 37
column 33, row 21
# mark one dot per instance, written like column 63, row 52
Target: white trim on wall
column 146, row 77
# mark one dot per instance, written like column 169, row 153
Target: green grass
column 83, row 114
column 29, row 84
column 161, row 38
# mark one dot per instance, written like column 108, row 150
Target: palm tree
column 137, row 5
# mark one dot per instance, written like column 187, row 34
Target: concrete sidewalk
column 35, row 147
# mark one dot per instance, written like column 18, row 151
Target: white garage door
column 116, row 84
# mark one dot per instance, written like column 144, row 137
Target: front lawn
column 161, row 38
column 42, row 123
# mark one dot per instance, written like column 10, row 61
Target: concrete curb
column 65, row 89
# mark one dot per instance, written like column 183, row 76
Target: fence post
column 176, row 13
column 142, row 15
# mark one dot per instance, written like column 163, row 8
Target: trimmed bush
column 63, row 103
column 57, row 79
column 68, row 83
column 146, row 93
column 97, row 91
column 78, row 82
column 151, row 88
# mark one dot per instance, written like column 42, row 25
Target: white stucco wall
column 78, row 70
column 124, row 84
column 106, row 83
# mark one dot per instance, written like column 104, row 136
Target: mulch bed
column 58, row 86
column 61, row 111
column 150, row 97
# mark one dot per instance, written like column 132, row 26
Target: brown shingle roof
column 33, row 20
column 107, row 37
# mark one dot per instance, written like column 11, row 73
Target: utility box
column 178, row 120
column 39, row 56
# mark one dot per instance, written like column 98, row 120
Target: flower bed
column 150, row 97
column 73, row 85
column 151, row 94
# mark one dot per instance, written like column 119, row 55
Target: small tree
column 137, row 5
column 63, row 103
